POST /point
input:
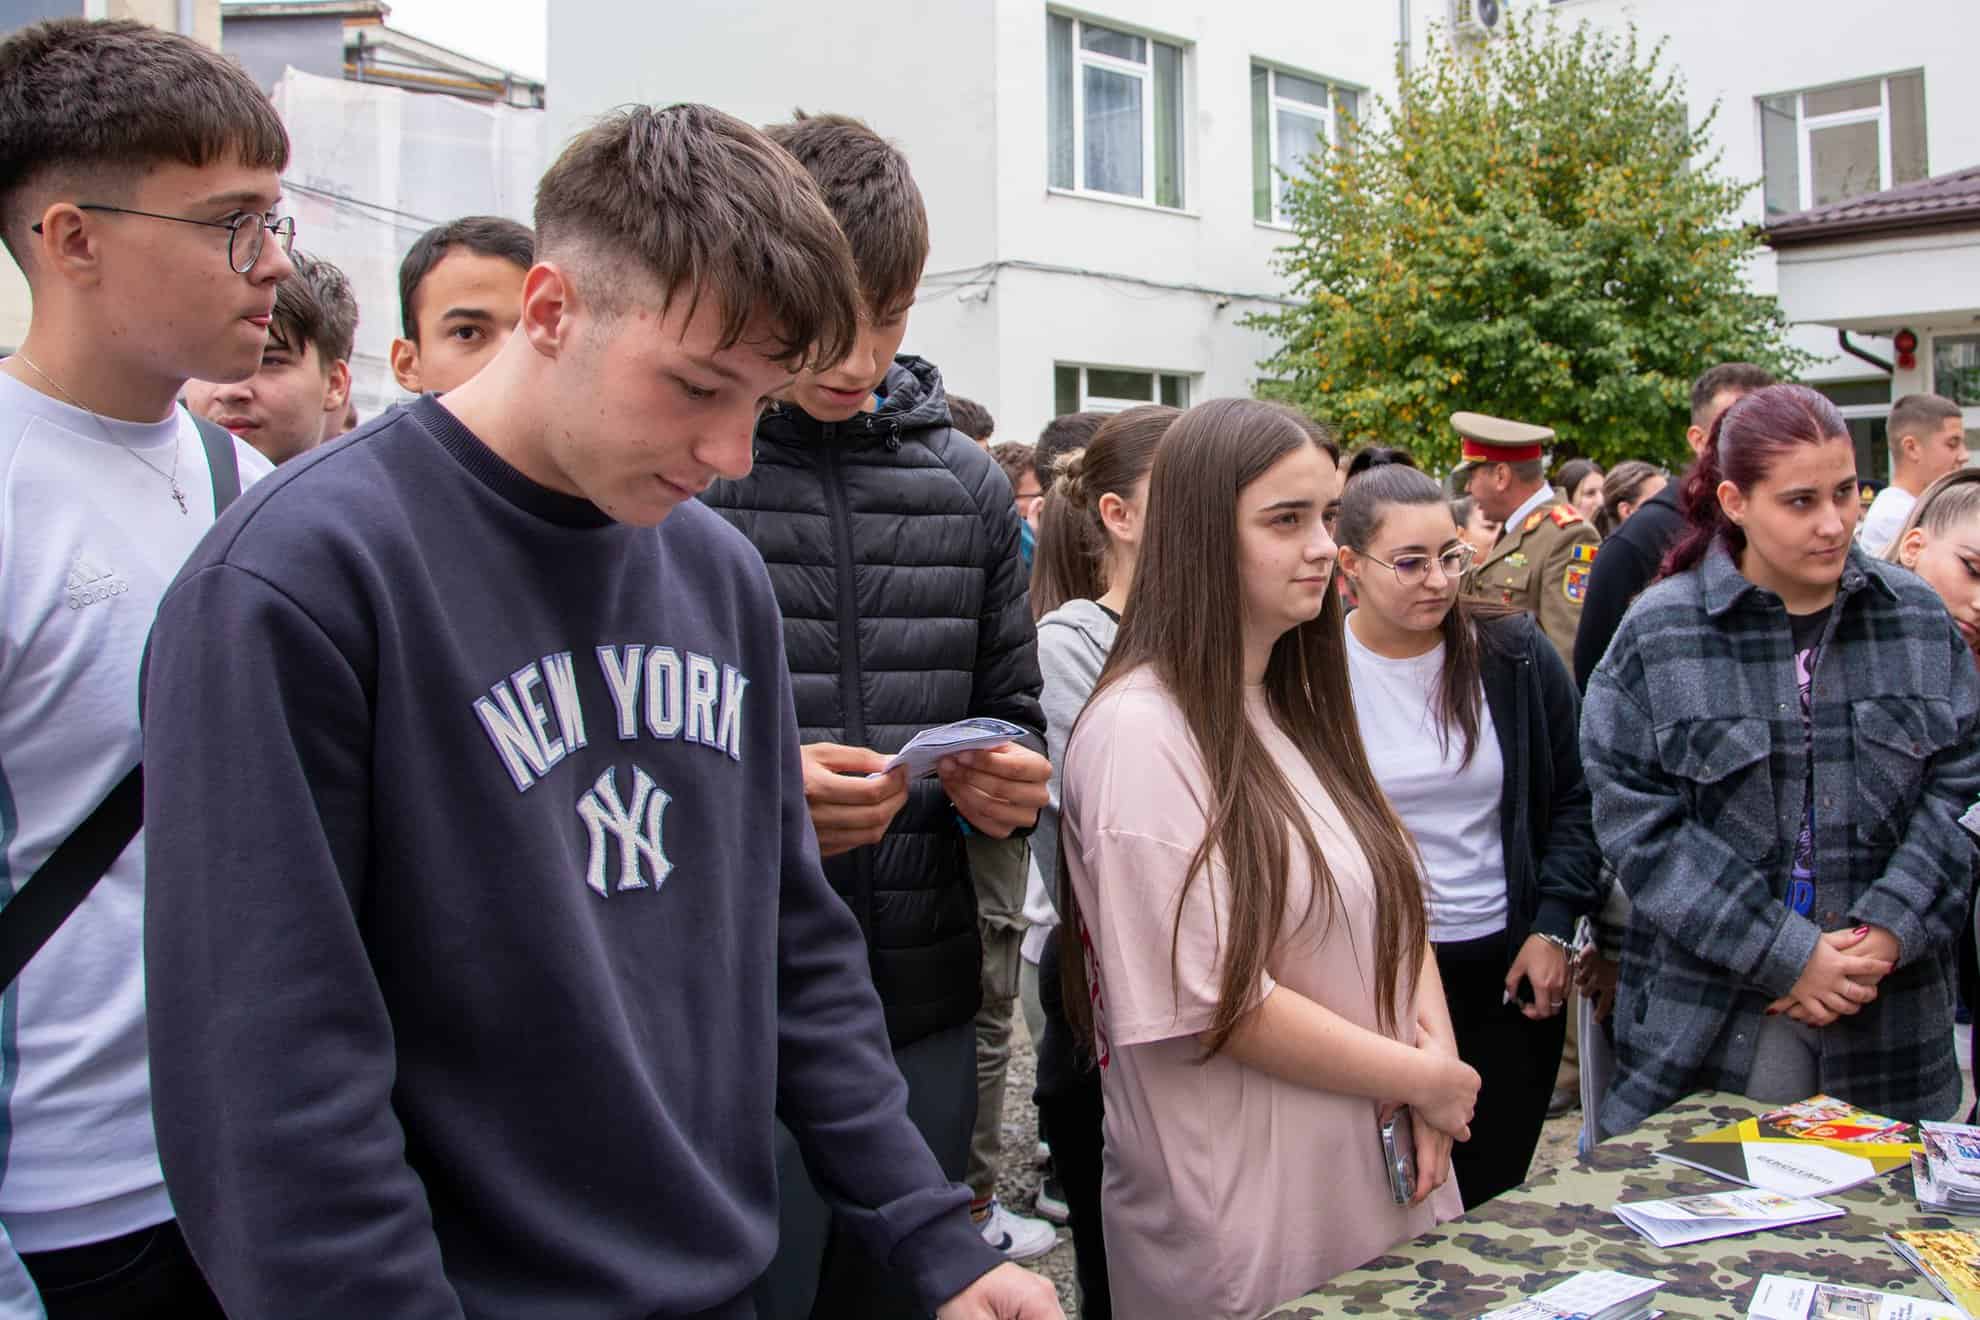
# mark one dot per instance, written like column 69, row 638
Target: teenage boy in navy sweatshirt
column 489, row 932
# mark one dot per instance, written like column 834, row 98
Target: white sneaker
column 1017, row 1237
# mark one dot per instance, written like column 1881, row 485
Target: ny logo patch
column 634, row 825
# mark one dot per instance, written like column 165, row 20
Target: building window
column 1292, row 117
column 1844, row 141
column 1956, row 368
column 1114, row 106
column 1112, row 389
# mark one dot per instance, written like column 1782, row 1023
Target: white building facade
column 1092, row 174
column 1096, row 175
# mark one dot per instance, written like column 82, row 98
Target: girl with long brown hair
column 1471, row 722
column 1258, row 986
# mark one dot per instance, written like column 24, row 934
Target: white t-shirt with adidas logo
column 90, row 537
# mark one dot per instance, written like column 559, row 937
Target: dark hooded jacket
column 892, row 543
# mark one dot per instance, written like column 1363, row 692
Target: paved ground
column 1017, row 1180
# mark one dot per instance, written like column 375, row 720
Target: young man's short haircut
column 971, row 418
column 710, row 208
column 315, row 306
column 1061, row 436
column 866, row 183
column 1014, row 456
column 485, row 235
column 1920, row 415
column 1742, row 376
column 84, row 97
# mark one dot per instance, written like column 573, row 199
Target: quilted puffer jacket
column 892, row 543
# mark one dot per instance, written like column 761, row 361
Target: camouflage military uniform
column 1542, row 566
column 1560, row 1223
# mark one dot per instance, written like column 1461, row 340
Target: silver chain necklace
column 171, row 477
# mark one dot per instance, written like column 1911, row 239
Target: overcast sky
column 511, row 33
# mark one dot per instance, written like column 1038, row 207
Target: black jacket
column 1553, row 866
column 892, row 543
column 1624, row 566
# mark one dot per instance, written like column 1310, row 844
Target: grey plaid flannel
column 1692, row 739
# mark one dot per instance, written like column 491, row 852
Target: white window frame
column 1805, row 128
column 1145, row 72
column 1305, row 110
column 1100, row 403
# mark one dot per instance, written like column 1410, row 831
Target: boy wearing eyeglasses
column 137, row 173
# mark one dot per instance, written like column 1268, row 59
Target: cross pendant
column 180, row 496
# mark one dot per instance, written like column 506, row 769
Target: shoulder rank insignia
column 1582, row 552
column 1563, row 515
column 1575, row 585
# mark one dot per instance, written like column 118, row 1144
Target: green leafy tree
column 1533, row 231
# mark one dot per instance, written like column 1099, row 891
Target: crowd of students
column 527, row 918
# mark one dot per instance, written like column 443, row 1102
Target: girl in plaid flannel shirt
column 1780, row 743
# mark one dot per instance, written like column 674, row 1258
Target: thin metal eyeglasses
column 251, row 223
column 1414, row 570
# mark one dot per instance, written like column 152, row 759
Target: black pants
column 820, row 1269
column 1072, row 1122
column 138, row 1276
column 1515, row 1058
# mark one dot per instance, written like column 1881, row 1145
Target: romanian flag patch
column 1583, row 553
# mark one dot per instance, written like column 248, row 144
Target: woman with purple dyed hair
column 1780, row 743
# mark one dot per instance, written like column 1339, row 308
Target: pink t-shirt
column 1225, row 1190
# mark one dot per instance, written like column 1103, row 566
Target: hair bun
column 1069, row 476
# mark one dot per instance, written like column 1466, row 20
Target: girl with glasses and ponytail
column 1780, row 740
column 1257, row 989
column 1470, row 719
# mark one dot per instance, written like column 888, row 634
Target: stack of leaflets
column 1819, row 1146
column 1948, row 1258
column 924, row 752
column 1781, row 1298
column 1590, row 1295
column 1947, row 1173
column 1719, row 1214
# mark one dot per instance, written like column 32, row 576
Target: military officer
column 1545, row 551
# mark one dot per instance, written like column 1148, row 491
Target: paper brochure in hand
column 927, row 748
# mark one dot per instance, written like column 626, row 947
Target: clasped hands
column 998, row 791
column 1442, row 1112
column 1841, row 975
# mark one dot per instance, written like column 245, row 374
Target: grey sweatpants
column 997, row 867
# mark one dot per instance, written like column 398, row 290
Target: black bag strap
column 53, row 893
column 221, row 463
column 71, row 871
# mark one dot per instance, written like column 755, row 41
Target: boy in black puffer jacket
column 892, row 545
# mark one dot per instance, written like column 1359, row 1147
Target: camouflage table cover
column 1547, row 1229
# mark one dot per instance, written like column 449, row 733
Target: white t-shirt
column 1885, row 519
column 1452, row 813
column 89, row 540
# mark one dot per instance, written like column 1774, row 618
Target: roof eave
column 1834, row 231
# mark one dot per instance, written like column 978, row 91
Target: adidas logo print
column 89, row 582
